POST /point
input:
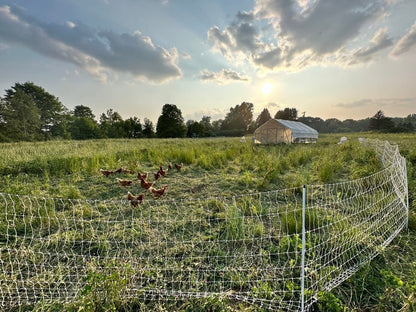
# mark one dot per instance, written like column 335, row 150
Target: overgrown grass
column 214, row 167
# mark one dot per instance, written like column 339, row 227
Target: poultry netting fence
column 276, row 249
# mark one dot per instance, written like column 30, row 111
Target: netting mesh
column 246, row 248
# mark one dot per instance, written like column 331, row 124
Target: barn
column 284, row 131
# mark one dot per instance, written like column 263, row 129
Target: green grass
column 212, row 168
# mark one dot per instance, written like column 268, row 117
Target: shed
column 285, row 131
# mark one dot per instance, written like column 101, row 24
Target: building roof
column 299, row 129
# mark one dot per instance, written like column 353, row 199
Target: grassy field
column 213, row 168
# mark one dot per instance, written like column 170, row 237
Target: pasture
column 212, row 169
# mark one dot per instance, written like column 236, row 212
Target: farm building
column 285, row 131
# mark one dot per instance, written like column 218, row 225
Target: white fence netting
column 246, row 248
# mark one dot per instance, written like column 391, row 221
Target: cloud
column 222, row 77
column 215, row 114
column 241, row 37
column 406, row 42
column 97, row 52
column 357, row 103
column 186, row 56
column 380, row 41
column 293, row 34
column 380, row 103
column 16, row 29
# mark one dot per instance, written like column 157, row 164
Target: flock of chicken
column 142, row 177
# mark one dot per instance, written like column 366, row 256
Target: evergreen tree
column 20, row 117
column 379, row 122
column 51, row 110
column 170, row 123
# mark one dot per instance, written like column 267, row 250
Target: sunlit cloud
column 291, row 35
column 99, row 53
column 222, row 77
column 380, row 41
column 406, row 42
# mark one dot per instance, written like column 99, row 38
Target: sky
column 326, row 58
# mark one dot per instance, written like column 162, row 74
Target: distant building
column 285, row 131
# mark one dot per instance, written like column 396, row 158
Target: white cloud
column 293, row 34
column 98, row 53
column 222, row 77
column 406, row 42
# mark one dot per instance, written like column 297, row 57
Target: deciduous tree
column 170, row 123
column 195, row 129
column 239, row 117
column 83, row 111
column 148, row 128
column 263, row 117
column 287, row 114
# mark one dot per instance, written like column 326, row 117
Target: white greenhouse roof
column 299, row 130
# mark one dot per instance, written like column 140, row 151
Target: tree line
column 30, row 113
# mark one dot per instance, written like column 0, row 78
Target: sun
column 267, row 88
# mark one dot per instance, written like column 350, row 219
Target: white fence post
column 407, row 190
column 302, row 286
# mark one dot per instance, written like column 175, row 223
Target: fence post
column 407, row 191
column 302, row 285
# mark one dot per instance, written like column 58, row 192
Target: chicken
column 124, row 183
column 179, row 167
column 146, row 185
column 157, row 175
column 106, row 172
column 123, row 170
column 135, row 200
column 142, row 175
column 161, row 171
column 160, row 192
column 170, row 166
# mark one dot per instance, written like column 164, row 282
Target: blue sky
column 331, row 59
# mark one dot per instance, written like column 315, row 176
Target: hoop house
column 285, row 131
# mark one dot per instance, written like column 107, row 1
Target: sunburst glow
column 267, row 88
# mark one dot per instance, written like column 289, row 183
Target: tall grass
column 212, row 167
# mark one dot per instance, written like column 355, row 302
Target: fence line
column 275, row 249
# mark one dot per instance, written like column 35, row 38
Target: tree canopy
column 239, row 118
column 379, row 122
column 28, row 112
column 263, row 117
column 49, row 107
column 287, row 114
column 20, row 117
column 171, row 123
